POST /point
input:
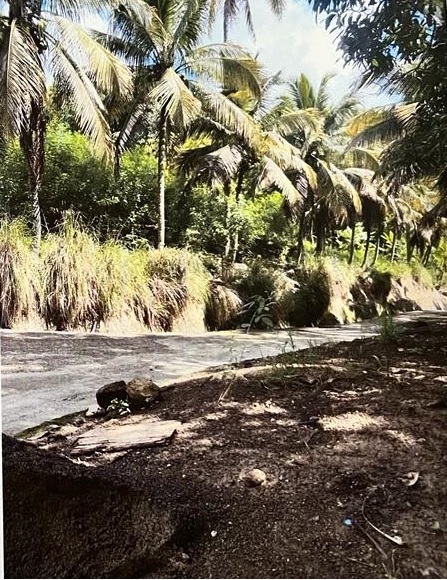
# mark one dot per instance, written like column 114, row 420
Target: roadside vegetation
column 203, row 182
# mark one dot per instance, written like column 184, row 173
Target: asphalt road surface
column 49, row 374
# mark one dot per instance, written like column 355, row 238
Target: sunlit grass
column 19, row 274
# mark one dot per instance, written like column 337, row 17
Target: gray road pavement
column 48, row 374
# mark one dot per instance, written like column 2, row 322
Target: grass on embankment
column 75, row 282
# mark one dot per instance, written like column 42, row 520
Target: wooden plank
column 125, row 436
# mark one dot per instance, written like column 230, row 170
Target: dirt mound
column 347, row 435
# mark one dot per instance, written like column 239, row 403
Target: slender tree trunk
column 410, row 245
column 301, row 234
column 227, row 191
column 32, row 142
column 320, row 241
column 393, row 247
column 376, row 251
column 162, row 154
column 240, row 180
column 368, row 239
column 427, row 254
column 352, row 244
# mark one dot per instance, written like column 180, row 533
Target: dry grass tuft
column 222, row 307
column 19, row 280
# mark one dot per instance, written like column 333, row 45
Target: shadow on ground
column 340, row 431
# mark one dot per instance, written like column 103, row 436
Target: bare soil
column 352, row 438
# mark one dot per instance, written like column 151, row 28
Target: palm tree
column 335, row 198
column 231, row 9
column 36, row 37
column 410, row 165
column 265, row 161
column 175, row 76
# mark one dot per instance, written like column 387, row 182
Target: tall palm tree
column 175, row 76
column 231, row 9
column 335, row 198
column 264, row 162
column 37, row 39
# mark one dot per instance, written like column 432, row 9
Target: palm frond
column 22, row 79
column 364, row 158
column 225, row 112
column 228, row 65
column 88, row 108
column 323, row 98
column 139, row 24
column 172, row 93
column 210, row 165
column 272, row 176
column 337, row 190
column 109, row 74
column 135, row 125
column 287, row 157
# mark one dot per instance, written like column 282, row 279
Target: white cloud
column 297, row 44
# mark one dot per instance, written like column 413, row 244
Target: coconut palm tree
column 264, row 162
column 231, row 9
column 335, row 199
column 177, row 78
column 40, row 41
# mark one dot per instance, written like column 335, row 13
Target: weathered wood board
column 119, row 437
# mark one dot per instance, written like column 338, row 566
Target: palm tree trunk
column 162, row 155
column 393, row 246
column 427, row 254
column 410, row 244
column 368, row 238
column 376, row 252
column 301, row 233
column 240, row 180
column 32, row 143
column 352, row 244
column 227, row 250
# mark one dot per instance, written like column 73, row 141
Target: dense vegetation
column 152, row 138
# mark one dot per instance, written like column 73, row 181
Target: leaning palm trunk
column 162, row 155
column 32, row 143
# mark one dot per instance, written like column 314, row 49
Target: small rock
column 94, row 411
column 141, row 392
column 255, row 477
column 107, row 393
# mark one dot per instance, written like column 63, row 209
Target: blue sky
column 297, row 43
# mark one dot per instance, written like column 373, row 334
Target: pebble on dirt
column 255, row 477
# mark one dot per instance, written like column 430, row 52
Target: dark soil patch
column 335, row 428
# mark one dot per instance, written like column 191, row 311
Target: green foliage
column 402, row 270
column 389, row 331
column 258, row 310
column 69, row 295
column 118, row 408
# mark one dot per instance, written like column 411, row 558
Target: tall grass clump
column 222, row 307
column 177, row 279
column 145, row 306
column 19, row 279
column 70, row 286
